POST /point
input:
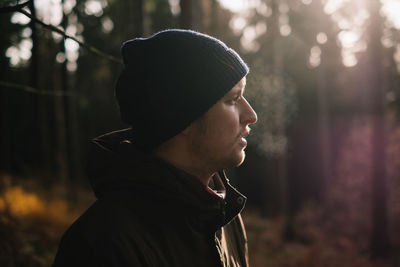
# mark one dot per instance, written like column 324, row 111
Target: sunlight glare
column 93, row 7
column 72, row 66
column 322, row 38
column 20, row 53
column 284, row 27
column 387, row 42
column 57, row 37
column 285, row 30
column 25, row 49
column 26, row 33
column 71, row 30
column 248, row 41
column 69, row 5
column 237, row 24
column 250, row 33
column 264, row 10
column 72, row 54
column 261, row 28
column 343, row 23
column 361, row 16
column 13, row 54
column 107, row 25
column 174, row 7
column 315, row 56
column 351, row 18
column 332, row 6
column 387, row 38
column 316, row 50
column 243, row 10
column 18, row 18
column 71, row 45
column 348, row 38
column 238, row 6
column 348, row 59
column 396, row 57
column 60, row 57
column 391, row 10
column 49, row 12
column 234, row 5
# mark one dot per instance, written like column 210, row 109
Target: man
column 162, row 196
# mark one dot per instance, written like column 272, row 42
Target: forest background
column 322, row 168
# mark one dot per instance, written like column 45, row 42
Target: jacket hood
column 116, row 164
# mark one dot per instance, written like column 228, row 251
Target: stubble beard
column 214, row 161
column 205, row 153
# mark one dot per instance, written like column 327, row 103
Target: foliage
column 32, row 220
column 316, row 245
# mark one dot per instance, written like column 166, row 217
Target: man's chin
column 240, row 159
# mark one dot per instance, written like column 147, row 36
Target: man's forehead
column 238, row 87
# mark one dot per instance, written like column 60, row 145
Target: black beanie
column 170, row 79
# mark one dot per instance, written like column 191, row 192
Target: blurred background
column 323, row 163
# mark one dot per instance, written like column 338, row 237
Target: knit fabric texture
column 170, row 79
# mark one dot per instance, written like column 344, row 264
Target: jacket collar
column 116, row 164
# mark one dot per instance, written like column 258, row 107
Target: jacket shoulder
column 104, row 235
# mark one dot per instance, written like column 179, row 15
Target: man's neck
column 182, row 159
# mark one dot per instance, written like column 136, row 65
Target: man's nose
column 249, row 116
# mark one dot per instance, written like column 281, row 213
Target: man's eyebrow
column 237, row 90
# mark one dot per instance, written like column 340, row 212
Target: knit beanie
column 170, row 79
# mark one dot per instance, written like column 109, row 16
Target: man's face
column 218, row 137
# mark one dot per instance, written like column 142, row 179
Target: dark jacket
column 148, row 213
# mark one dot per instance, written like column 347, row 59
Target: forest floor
column 312, row 246
column 32, row 221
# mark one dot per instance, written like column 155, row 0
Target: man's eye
column 236, row 99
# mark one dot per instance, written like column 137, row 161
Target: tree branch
column 17, row 7
column 30, row 89
column 63, row 33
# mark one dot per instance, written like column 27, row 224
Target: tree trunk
column 214, row 20
column 41, row 136
column 325, row 145
column 185, row 19
column 61, row 111
column 281, row 161
column 60, row 119
column 380, row 240
column 132, row 19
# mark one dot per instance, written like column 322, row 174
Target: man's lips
column 245, row 133
column 243, row 136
